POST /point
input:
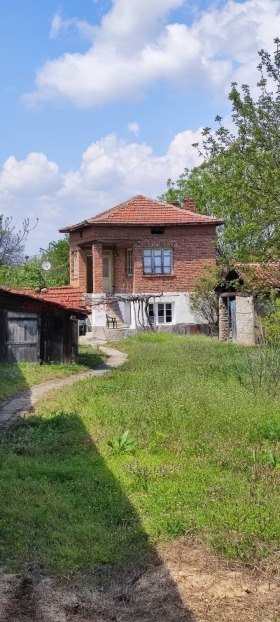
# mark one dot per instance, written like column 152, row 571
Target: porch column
column 223, row 319
column 137, row 269
column 97, row 268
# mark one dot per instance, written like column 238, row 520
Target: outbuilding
column 34, row 328
column 243, row 298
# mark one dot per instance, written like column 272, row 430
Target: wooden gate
column 22, row 337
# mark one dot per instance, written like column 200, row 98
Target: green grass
column 73, row 503
column 16, row 378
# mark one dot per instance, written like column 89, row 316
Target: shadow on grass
column 89, row 357
column 63, row 511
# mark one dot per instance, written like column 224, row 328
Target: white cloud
column 134, row 46
column 28, row 177
column 111, row 171
column 59, row 25
column 134, row 128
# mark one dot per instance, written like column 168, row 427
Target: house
column 37, row 328
column 242, row 300
column 138, row 262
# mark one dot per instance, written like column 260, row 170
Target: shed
column 36, row 329
column 241, row 300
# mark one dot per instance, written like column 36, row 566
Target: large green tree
column 239, row 178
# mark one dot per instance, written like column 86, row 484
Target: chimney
column 188, row 204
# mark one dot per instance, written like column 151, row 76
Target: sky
column 103, row 99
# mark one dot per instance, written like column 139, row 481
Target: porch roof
column 107, row 242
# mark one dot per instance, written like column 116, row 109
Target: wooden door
column 22, row 337
column 107, row 267
column 89, row 273
column 232, row 318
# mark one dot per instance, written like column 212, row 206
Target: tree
column 12, row 242
column 239, row 179
column 204, row 300
column 57, row 254
column 31, row 274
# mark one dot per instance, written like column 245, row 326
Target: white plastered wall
column 245, row 320
column 181, row 311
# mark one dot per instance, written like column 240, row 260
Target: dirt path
column 24, row 402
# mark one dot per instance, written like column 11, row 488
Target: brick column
column 78, row 278
column 97, row 268
column 223, row 319
column 82, row 268
column 137, row 268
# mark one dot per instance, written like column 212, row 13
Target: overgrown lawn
column 200, row 462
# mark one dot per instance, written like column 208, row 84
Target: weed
column 268, row 430
column 266, row 457
column 122, row 444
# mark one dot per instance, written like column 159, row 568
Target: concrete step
column 111, row 334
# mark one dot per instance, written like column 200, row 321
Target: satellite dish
column 46, row 265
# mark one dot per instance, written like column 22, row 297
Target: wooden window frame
column 129, row 262
column 157, row 258
column 75, row 259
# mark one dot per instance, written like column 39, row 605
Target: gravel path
column 10, row 410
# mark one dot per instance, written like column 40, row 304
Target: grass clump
column 67, row 495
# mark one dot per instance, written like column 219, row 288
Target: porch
column 104, row 267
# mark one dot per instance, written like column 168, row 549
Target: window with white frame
column 129, row 261
column 157, row 261
column 164, row 312
column 161, row 312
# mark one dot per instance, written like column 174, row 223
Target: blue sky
column 101, row 100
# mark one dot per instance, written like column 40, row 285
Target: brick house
column 141, row 250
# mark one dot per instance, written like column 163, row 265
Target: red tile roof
column 67, row 298
column 263, row 273
column 140, row 210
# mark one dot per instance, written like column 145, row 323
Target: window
column 75, row 265
column 151, row 314
column 161, row 312
column 164, row 313
column 157, row 230
column 129, row 261
column 157, row 261
column 105, row 266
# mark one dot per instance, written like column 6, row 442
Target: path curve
column 24, row 402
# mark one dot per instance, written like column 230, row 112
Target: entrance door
column 107, row 260
column 89, row 273
column 22, row 337
column 232, row 317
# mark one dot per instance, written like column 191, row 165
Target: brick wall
column 193, row 246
